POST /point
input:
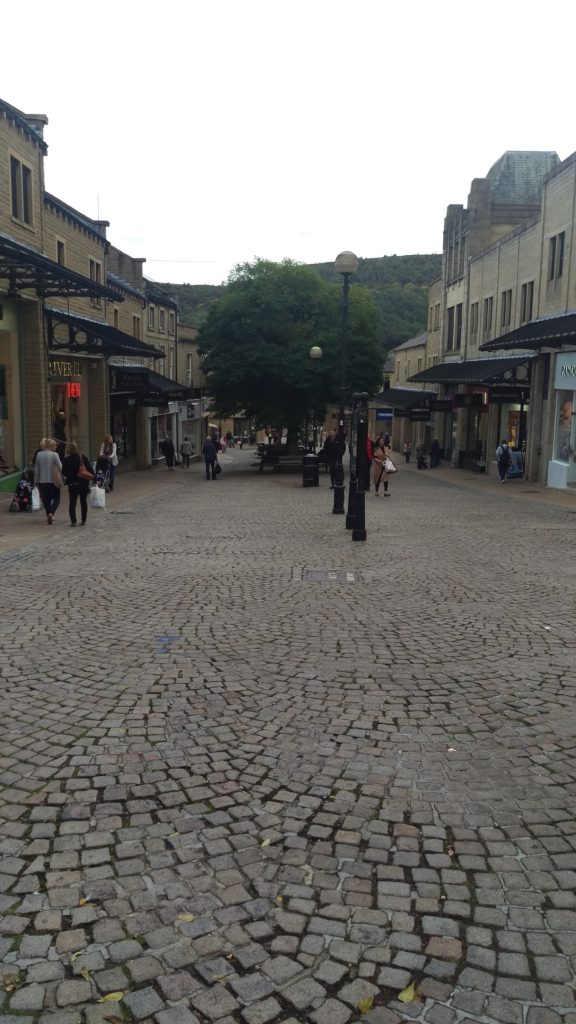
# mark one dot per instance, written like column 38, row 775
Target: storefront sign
column 401, row 413
column 419, row 415
column 73, row 390
column 441, row 405
column 64, row 368
column 565, row 371
column 469, row 401
column 505, row 396
column 384, row 414
column 127, row 380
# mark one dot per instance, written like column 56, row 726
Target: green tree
column 258, row 335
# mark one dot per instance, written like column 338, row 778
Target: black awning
column 547, row 332
column 505, row 369
column 406, row 398
column 74, row 333
column 27, row 269
column 147, row 385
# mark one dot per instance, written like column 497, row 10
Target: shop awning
column 27, row 269
column 406, row 398
column 547, row 332
column 75, row 333
column 499, row 369
column 147, row 385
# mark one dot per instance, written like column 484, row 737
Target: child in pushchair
column 23, row 494
column 102, row 473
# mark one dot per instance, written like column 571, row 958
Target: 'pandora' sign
column 565, row 376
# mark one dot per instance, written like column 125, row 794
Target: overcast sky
column 209, row 132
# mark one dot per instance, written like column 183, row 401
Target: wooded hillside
column 398, row 283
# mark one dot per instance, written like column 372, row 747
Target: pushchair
column 102, row 473
column 421, row 460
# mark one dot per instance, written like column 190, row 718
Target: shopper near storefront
column 186, row 452
column 210, row 456
column 48, row 476
column 109, row 451
column 503, row 460
column 169, row 452
column 381, row 453
column 77, row 486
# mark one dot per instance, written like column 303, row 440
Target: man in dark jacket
column 210, row 455
column 332, row 452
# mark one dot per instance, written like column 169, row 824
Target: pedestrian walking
column 109, row 451
column 77, row 473
column 503, row 459
column 407, row 451
column 48, row 476
column 169, row 452
column 381, row 453
column 435, row 454
column 186, row 451
column 369, row 461
column 332, row 452
column 210, row 454
column 223, row 443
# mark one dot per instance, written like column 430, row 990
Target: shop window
column 506, row 309
column 564, row 418
column 526, row 302
column 10, row 419
column 21, row 186
column 474, row 317
column 556, row 256
column 61, row 254
column 152, row 318
column 450, row 329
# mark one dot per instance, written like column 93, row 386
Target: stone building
column 73, row 319
column 507, row 320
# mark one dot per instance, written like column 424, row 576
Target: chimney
column 37, row 122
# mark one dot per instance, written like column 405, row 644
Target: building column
column 34, row 368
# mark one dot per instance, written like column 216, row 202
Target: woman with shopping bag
column 383, row 466
column 48, row 476
column 78, row 474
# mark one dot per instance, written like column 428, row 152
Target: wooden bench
column 278, row 457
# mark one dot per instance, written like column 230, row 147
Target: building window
column 556, row 257
column 506, row 310
column 60, row 254
column 487, row 319
column 450, row 329
column 171, row 363
column 171, row 323
column 136, row 327
column 407, row 369
column 115, row 314
column 526, row 302
column 458, row 338
column 398, row 370
column 96, row 276
column 152, row 318
column 434, row 360
column 162, row 320
column 189, row 369
column 163, row 360
column 437, row 317
column 21, row 183
column 419, row 364
column 474, row 316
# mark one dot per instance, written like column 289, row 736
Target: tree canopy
column 257, row 339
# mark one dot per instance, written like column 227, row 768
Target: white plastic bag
column 98, row 497
column 36, row 503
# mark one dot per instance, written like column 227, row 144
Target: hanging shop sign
column 441, row 405
column 401, row 414
column 505, row 396
column 565, row 377
column 469, row 401
column 125, row 380
column 385, row 414
column 419, row 415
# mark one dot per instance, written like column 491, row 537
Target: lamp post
column 346, row 264
column 359, row 530
column 315, row 354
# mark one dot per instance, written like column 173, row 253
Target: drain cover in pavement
column 327, row 576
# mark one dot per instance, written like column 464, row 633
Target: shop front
column 12, row 453
column 562, row 465
column 145, row 411
column 69, row 380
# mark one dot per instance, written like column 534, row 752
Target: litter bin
column 310, row 470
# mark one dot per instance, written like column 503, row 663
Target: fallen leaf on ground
column 218, row 977
column 83, row 902
column 265, row 842
column 409, row 994
column 185, row 917
column 112, row 997
column 74, row 956
column 230, row 956
column 366, row 1004
column 85, row 974
column 114, row 1020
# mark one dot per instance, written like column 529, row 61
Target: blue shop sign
column 384, row 414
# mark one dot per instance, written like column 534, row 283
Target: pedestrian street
column 254, row 773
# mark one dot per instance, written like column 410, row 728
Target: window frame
column 21, row 192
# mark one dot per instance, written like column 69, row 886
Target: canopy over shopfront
column 510, row 370
column 28, row 270
column 73, row 333
column 146, row 386
column 547, row 332
column 406, row 398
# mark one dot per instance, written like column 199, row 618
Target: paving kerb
column 283, row 792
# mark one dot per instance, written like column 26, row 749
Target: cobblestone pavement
column 235, row 791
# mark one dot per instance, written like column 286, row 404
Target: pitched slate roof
column 516, row 178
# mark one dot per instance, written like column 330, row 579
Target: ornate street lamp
column 359, row 526
column 315, row 354
column 346, row 264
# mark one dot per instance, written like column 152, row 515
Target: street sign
column 384, row 414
